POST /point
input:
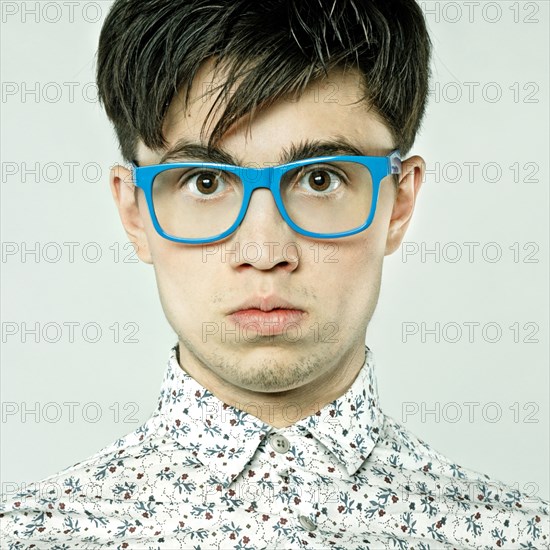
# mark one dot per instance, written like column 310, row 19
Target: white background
column 497, row 47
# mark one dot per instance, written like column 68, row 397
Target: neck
column 284, row 408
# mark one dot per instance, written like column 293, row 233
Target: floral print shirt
column 202, row 474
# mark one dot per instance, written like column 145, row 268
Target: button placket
column 281, row 445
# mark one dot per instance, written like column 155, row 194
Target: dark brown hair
column 151, row 49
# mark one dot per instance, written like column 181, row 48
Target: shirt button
column 306, row 523
column 279, row 443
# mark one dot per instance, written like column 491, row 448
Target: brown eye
column 319, row 180
column 206, row 183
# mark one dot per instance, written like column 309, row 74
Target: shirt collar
column 224, row 438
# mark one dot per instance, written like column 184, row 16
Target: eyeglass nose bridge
column 259, row 178
column 263, row 178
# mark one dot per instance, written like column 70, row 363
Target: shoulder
column 78, row 495
column 455, row 504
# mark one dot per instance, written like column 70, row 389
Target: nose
column 265, row 236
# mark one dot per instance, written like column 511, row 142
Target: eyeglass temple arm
column 134, row 164
column 394, row 161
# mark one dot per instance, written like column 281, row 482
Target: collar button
column 279, row 443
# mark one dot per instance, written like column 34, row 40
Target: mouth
column 276, row 321
column 268, row 316
column 266, row 304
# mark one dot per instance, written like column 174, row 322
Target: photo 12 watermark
column 69, row 332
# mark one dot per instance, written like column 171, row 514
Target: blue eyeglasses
column 325, row 198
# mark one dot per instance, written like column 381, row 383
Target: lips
column 266, row 304
column 269, row 323
column 267, row 315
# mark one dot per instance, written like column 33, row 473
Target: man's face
column 336, row 283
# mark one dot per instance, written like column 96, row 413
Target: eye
column 321, row 179
column 205, row 182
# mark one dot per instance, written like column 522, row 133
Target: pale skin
column 279, row 380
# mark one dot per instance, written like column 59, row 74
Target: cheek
column 361, row 267
column 179, row 270
column 184, row 286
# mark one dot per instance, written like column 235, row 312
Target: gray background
column 494, row 46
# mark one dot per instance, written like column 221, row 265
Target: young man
column 260, row 132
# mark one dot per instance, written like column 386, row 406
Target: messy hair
column 149, row 50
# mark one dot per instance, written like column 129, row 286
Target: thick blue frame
column 268, row 178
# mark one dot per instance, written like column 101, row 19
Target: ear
column 125, row 195
column 410, row 181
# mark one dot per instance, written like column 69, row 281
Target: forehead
column 329, row 108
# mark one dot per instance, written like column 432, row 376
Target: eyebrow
column 187, row 150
